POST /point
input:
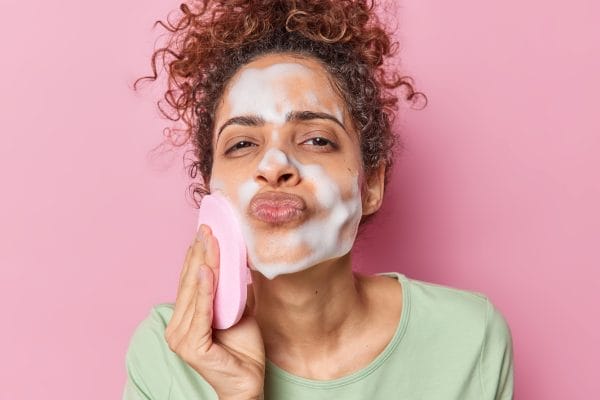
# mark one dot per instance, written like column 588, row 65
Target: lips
column 277, row 207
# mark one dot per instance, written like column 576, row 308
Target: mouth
column 277, row 208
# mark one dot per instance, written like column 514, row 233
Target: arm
column 148, row 375
column 133, row 391
column 496, row 358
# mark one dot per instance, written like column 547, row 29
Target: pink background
column 498, row 191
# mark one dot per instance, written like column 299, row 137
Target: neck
column 308, row 312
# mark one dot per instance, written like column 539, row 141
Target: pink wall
column 498, row 191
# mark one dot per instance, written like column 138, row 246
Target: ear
column 373, row 190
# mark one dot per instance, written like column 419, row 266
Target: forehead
column 274, row 85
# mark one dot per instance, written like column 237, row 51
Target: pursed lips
column 277, row 207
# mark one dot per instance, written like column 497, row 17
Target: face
column 288, row 159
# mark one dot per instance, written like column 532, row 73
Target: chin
column 283, row 265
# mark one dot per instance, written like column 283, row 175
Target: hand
column 232, row 360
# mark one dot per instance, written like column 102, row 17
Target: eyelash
column 238, row 147
column 327, row 142
column 242, row 144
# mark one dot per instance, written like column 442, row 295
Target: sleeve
column 496, row 358
column 148, row 375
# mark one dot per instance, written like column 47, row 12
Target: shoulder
column 470, row 309
column 448, row 294
column 149, row 333
column 453, row 315
column 469, row 324
column 159, row 316
column 154, row 371
column 439, row 302
column 148, row 357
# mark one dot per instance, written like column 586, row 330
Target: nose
column 277, row 169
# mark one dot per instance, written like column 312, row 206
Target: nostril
column 286, row 177
column 262, row 178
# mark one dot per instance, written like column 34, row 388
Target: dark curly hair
column 211, row 39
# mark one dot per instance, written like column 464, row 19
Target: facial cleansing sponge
column 234, row 275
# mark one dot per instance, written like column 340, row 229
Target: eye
column 239, row 146
column 320, row 142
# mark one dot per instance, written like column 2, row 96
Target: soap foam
column 254, row 90
column 324, row 237
column 272, row 159
column 264, row 92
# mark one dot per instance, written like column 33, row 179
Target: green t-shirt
column 449, row 344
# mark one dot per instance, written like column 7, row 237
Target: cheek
column 351, row 189
column 350, row 180
column 361, row 181
column 224, row 181
column 237, row 185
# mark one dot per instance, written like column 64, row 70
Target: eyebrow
column 255, row 120
column 310, row 115
column 245, row 120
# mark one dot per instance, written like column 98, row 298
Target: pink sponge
column 234, row 275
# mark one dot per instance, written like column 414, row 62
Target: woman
column 288, row 106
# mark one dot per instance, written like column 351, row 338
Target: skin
column 305, row 321
column 293, row 131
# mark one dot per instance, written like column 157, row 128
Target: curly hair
column 210, row 40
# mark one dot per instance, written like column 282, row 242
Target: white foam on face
column 263, row 92
column 272, row 159
column 325, row 238
column 246, row 191
column 215, row 184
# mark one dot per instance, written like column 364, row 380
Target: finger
column 197, row 238
column 197, row 242
column 200, row 333
column 182, row 328
column 195, row 257
column 212, row 256
column 188, row 281
column 199, row 247
column 185, row 297
column 185, row 267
